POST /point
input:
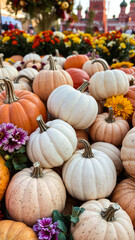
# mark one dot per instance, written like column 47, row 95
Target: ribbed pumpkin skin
column 11, row 230
column 72, row 106
column 4, row 177
column 124, row 195
column 78, row 75
column 92, row 68
column 75, row 61
column 127, row 70
column 128, row 152
column 101, row 131
column 17, row 58
column 24, row 112
column 30, row 72
column 54, row 146
column 29, row 199
column 46, row 81
column 108, row 83
column 92, row 226
column 9, row 71
column 131, row 95
column 111, row 151
column 89, row 178
column 30, row 57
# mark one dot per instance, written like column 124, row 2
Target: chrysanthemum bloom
column 4, row 135
column 46, row 229
column 121, row 106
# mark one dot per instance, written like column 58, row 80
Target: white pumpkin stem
column 17, row 79
column 93, row 54
column 110, row 118
column 88, row 152
column 115, row 60
column 57, row 54
column 37, row 171
column 100, row 61
column 108, row 213
column 51, row 63
column 75, row 53
column 1, row 60
column 84, row 86
column 43, row 127
column 10, row 93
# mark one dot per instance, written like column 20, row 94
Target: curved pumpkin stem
column 75, row 53
column 17, row 79
column 131, row 82
column 57, row 54
column 88, row 152
column 108, row 213
column 51, row 63
column 10, row 93
column 37, row 171
column 93, row 54
column 1, row 87
column 115, row 60
column 100, row 61
column 1, row 60
column 43, row 127
column 110, row 118
column 84, row 86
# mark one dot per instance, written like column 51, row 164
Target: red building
column 101, row 23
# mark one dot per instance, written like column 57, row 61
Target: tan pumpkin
column 52, row 143
column 108, row 83
column 7, row 71
column 4, row 176
column 128, row 152
column 112, row 152
column 48, row 80
column 89, row 174
column 73, row 106
column 108, row 128
column 16, row 231
column 34, row 193
column 124, row 195
column 103, row 220
column 81, row 134
column 92, row 66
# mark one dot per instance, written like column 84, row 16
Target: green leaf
column 61, row 236
column 62, row 226
column 8, row 164
column 57, row 216
column 22, row 149
column 76, row 211
column 20, row 158
column 17, row 165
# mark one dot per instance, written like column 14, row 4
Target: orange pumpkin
column 47, row 80
column 4, row 177
column 124, row 195
column 127, row 70
column 131, row 95
column 16, row 231
column 75, row 61
column 108, row 128
column 77, row 76
column 17, row 58
column 20, row 107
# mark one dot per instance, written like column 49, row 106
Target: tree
column 89, row 23
column 44, row 12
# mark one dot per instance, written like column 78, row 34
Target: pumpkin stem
column 108, row 213
column 37, row 171
column 110, row 118
column 84, row 86
column 1, row 87
column 1, row 60
column 43, row 127
column 131, row 82
column 75, row 53
column 88, row 152
column 100, row 61
column 115, row 60
column 17, row 79
column 57, row 54
column 10, row 93
column 93, row 54
column 33, row 61
column 51, row 63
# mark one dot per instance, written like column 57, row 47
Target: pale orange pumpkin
column 4, row 176
column 131, row 95
column 75, row 61
column 17, row 58
column 93, row 66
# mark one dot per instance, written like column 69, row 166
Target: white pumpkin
column 52, row 143
column 89, row 174
column 108, row 83
column 7, row 71
column 112, row 152
column 73, row 106
column 29, row 72
column 91, row 66
column 23, row 82
column 30, row 57
column 59, row 60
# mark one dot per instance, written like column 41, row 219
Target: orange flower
column 47, row 39
column 57, row 40
column 14, row 42
column 52, row 41
column 36, row 44
column 42, row 40
column 12, row 37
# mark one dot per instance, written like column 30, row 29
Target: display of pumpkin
column 4, row 176
column 20, row 107
column 7, row 71
column 16, row 231
column 78, row 76
column 104, row 220
column 52, row 143
column 89, row 174
column 75, row 61
column 34, row 193
column 73, row 106
column 22, row 82
column 48, row 80
column 59, row 60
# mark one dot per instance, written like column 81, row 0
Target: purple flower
column 4, row 135
column 19, row 68
column 22, row 62
column 9, row 126
column 34, row 66
column 45, row 229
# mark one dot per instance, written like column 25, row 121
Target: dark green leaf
column 61, row 236
column 76, row 211
column 17, row 165
column 57, row 216
column 20, row 158
column 62, row 226
column 22, row 149
column 8, row 164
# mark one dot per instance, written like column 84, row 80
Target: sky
column 114, row 8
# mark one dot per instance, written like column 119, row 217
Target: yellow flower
column 122, row 64
column 68, row 44
column 132, row 41
column 122, row 45
column 121, row 106
column 76, row 40
column 10, row 60
column 25, row 35
column 30, row 39
column 40, row 34
column 5, row 39
column 131, row 53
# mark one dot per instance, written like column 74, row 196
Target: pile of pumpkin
column 72, row 99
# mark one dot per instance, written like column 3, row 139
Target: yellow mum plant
column 121, row 106
column 122, row 64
